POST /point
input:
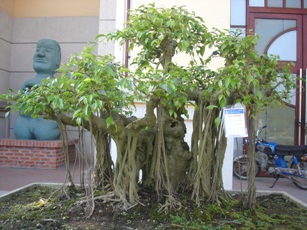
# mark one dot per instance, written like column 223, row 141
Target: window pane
column 259, row 3
column 284, row 46
column 237, row 12
column 280, row 130
column 268, row 29
column 293, row 3
column 305, row 3
column 275, row 3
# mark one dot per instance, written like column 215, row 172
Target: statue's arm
column 28, row 84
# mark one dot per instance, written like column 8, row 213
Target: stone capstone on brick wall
column 34, row 153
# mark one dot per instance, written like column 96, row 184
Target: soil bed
column 43, row 207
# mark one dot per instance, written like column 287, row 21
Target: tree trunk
column 211, row 150
column 126, row 171
column 103, row 166
column 251, row 196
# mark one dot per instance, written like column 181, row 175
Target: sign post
column 234, row 121
column 235, row 126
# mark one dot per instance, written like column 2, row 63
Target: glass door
column 282, row 35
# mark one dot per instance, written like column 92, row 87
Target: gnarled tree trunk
column 208, row 155
column 103, row 166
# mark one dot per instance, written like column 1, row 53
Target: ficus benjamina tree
column 98, row 94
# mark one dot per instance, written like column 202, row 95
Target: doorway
column 284, row 35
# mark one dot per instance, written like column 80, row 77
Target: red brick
column 34, row 150
column 34, row 154
column 8, row 161
column 14, row 150
column 25, row 150
column 13, row 158
column 24, row 158
column 45, row 159
column 35, row 159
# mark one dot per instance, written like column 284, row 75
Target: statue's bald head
column 47, row 57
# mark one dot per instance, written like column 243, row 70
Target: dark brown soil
column 45, row 208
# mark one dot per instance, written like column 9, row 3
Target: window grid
column 297, row 4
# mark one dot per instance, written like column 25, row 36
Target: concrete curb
column 286, row 195
column 23, row 189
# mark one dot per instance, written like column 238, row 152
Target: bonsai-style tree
column 255, row 81
column 99, row 95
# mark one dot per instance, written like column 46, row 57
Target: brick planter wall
column 34, row 154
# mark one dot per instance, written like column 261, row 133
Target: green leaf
column 109, row 121
column 227, row 82
column 102, row 92
column 211, row 107
column 247, row 99
column 165, row 87
column 79, row 120
column 217, row 121
column 86, row 111
column 94, row 106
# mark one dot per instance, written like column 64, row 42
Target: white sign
column 234, row 121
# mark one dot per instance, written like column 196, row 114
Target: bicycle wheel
column 301, row 180
column 241, row 165
column 303, row 165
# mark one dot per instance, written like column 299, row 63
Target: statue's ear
column 58, row 61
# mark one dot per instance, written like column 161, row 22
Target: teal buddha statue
column 46, row 61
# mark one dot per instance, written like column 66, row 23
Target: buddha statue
column 46, row 61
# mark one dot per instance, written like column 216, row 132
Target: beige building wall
column 7, row 6
column 56, row 8
column 216, row 14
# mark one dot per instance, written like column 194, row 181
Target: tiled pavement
column 14, row 178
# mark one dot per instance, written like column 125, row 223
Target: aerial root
column 110, row 197
column 170, row 204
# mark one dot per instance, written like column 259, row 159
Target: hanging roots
column 170, row 204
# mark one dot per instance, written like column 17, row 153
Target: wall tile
column 62, row 29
